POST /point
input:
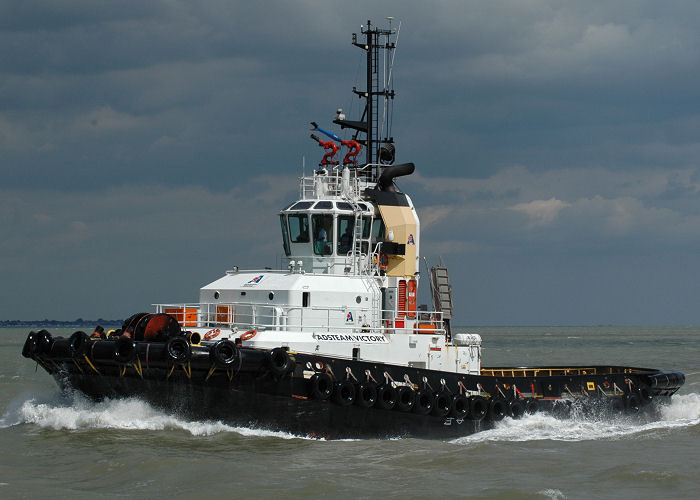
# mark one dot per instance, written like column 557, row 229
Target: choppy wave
column 683, row 411
column 79, row 414
column 121, row 414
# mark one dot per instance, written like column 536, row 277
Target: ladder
column 442, row 295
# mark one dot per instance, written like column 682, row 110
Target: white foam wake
column 683, row 411
column 129, row 414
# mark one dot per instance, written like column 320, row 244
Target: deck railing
column 244, row 316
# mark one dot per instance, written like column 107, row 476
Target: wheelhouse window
column 378, row 230
column 299, row 228
column 285, row 235
column 366, row 231
column 323, row 205
column 323, row 230
column 345, row 225
column 302, row 205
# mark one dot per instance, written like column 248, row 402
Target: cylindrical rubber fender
column 321, row 386
column 344, row 393
column 386, row 397
column 423, row 402
column 516, row 408
column 279, row 362
column 632, row 402
column 178, row 350
column 78, row 344
column 498, row 408
column 531, row 405
column 405, row 398
column 442, row 404
column 224, row 353
column 125, row 350
column 366, row 394
column 460, row 406
column 644, row 393
column 44, row 340
column 102, row 350
column 30, row 345
column 478, row 407
column 617, row 404
column 252, row 360
column 61, row 349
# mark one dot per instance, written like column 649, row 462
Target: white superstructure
column 349, row 286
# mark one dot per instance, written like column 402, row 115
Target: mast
column 379, row 145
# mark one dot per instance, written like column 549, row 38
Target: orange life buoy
column 249, row 334
column 212, row 334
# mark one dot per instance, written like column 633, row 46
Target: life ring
column 212, row 334
column 249, row 334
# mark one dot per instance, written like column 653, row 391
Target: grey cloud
column 561, row 136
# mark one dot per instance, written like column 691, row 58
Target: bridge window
column 302, row 205
column 299, row 228
column 345, row 233
column 344, row 206
column 378, row 230
column 323, row 234
column 323, row 205
column 285, row 235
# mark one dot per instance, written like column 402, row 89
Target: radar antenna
column 379, row 144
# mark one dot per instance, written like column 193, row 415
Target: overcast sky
column 146, row 147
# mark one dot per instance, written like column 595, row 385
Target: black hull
column 310, row 395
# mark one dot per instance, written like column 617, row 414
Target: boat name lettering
column 339, row 337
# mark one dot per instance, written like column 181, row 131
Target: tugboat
column 334, row 344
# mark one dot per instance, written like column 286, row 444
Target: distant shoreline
column 53, row 323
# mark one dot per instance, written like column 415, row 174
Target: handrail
column 278, row 317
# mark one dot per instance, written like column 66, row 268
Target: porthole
column 216, row 295
column 271, row 295
column 358, row 299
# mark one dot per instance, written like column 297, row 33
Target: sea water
column 58, row 446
